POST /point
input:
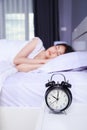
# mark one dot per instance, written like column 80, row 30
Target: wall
column 79, row 12
column 71, row 13
column 65, row 11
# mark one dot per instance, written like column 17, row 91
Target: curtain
column 46, row 21
column 16, row 19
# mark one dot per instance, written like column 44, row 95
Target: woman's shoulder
column 38, row 40
column 39, row 47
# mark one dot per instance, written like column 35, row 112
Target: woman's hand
column 26, row 65
column 24, row 60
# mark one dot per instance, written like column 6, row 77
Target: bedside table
column 75, row 118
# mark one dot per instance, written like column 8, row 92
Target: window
column 31, row 25
column 18, row 19
column 15, row 26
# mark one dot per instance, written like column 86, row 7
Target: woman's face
column 55, row 51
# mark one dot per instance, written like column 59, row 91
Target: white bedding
column 28, row 89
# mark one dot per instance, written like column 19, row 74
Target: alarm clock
column 58, row 96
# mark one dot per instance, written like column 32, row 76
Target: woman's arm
column 21, row 57
column 28, row 48
column 25, row 64
column 27, row 67
column 24, row 60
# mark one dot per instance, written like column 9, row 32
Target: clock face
column 57, row 99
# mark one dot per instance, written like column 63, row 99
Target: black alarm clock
column 58, row 96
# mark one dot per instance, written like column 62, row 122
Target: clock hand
column 53, row 96
column 57, row 94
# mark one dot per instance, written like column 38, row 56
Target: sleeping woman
column 34, row 55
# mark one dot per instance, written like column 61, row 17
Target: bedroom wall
column 79, row 22
column 65, row 11
column 79, row 12
column 71, row 13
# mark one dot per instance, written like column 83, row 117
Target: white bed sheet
column 28, row 89
column 23, row 89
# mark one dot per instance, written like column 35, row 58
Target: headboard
column 79, row 36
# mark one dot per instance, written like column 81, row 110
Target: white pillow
column 66, row 62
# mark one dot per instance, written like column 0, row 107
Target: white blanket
column 6, row 69
column 28, row 89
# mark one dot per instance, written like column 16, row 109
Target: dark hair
column 68, row 47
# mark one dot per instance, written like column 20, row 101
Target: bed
column 28, row 89
column 24, row 92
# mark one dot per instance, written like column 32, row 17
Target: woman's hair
column 68, row 47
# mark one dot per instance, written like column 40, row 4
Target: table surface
column 75, row 118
